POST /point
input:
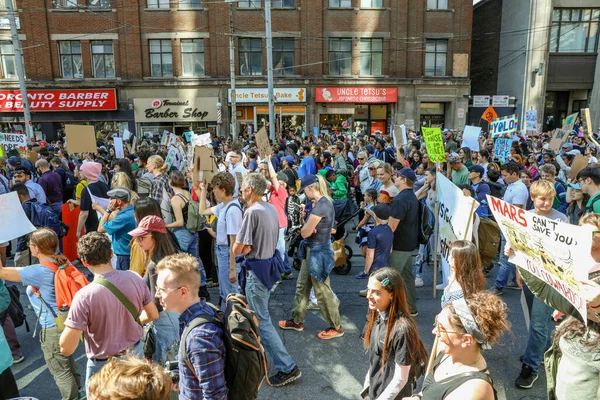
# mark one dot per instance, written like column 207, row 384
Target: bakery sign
column 175, row 109
column 361, row 94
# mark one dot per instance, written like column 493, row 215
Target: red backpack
column 67, row 281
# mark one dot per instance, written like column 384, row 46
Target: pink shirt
column 277, row 200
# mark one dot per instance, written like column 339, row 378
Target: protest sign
column 570, row 122
column 205, row 166
column 172, row 157
column 556, row 252
column 200, row 140
column 471, row 137
column 262, row 141
column 2, row 152
column 586, row 124
column 164, row 138
column 126, row 134
column 397, row 135
column 434, row 143
column 81, row 139
column 505, row 126
column 188, row 136
column 13, row 141
column 531, row 120
column 559, row 136
column 489, row 114
column 132, row 148
column 502, row 149
column 579, row 162
column 119, row 151
column 14, row 221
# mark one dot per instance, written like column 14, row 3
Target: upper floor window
column 99, row 3
column 159, row 4
column 282, row 3
column 283, row 56
column 3, row 4
column 437, row 4
column 192, row 57
column 64, row 3
column 436, row 54
column 103, row 59
column 340, row 56
column 161, row 57
column 250, row 56
column 249, row 3
column 371, row 3
column 190, row 4
column 71, row 64
column 340, row 3
column 371, row 56
column 7, row 60
column 574, row 30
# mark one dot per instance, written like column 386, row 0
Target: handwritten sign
column 262, row 141
column 119, row 150
column 13, row 141
column 200, row 140
column 434, row 143
column 505, row 126
column 14, row 221
column 502, row 148
column 471, row 137
column 531, row 120
column 556, row 252
column 570, row 122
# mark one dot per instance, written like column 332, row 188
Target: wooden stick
column 469, row 221
column 436, row 228
column 432, row 356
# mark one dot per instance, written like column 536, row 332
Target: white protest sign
column 502, row 148
column 14, row 221
column 505, row 126
column 119, row 151
column 531, row 120
column 13, row 141
column 200, row 140
column 126, row 134
column 556, row 252
column 570, row 122
column 471, row 137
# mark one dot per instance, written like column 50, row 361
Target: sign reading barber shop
column 175, row 109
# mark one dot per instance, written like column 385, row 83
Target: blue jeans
column 166, row 334
column 258, row 299
column 540, row 327
column 123, row 262
column 225, row 286
column 287, row 269
column 189, row 243
column 95, row 366
column 507, row 271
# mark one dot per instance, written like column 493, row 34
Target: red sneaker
column 291, row 325
column 331, row 333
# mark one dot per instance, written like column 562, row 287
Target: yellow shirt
column 80, row 186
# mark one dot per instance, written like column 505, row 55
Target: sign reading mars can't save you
column 175, row 109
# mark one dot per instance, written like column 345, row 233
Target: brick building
column 338, row 63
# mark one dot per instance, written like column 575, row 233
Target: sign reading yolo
column 434, row 143
column 455, row 216
column 505, row 126
column 13, row 141
column 556, row 252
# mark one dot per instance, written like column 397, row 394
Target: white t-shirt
column 516, row 193
column 230, row 225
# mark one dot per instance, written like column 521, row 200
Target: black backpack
column 425, row 228
column 245, row 359
column 15, row 310
column 69, row 182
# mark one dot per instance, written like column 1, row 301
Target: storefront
column 356, row 109
column 252, row 111
column 177, row 115
column 51, row 109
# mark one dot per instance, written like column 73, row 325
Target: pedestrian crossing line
column 27, row 379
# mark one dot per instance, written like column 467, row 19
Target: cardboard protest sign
column 14, row 221
column 263, row 143
column 579, row 162
column 434, row 143
column 13, row 141
column 471, row 137
column 570, row 122
column 559, row 136
column 119, row 150
column 502, row 148
column 81, row 139
column 205, row 166
column 586, row 124
column 531, row 121
column 505, row 126
column 556, row 252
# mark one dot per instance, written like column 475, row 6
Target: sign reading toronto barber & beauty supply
column 60, row 100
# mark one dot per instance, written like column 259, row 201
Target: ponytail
column 322, row 186
column 159, row 163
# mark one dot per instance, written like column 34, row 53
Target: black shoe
column 203, row 293
column 527, row 378
column 487, row 270
column 287, row 277
column 283, row 378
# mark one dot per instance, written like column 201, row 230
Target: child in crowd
column 365, row 225
column 379, row 241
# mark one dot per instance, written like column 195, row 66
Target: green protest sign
column 434, row 143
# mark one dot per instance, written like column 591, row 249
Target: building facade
column 338, row 64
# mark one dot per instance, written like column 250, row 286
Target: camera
column 172, row 368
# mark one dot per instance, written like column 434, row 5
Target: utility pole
column 270, row 70
column 20, row 69
column 232, row 74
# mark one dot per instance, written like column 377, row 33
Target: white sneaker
column 418, row 281
column 441, row 286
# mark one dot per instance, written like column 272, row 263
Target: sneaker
column 291, row 325
column 414, row 314
column 527, row 378
column 418, row 281
column 203, row 293
column 496, row 291
column 82, row 395
column 363, row 293
column 362, row 275
column 18, row 359
column 313, row 306
column 512, row 285
column 487, row 270
column 283, row 378
column 441, row 286
column 287, row 276
column 331, row 333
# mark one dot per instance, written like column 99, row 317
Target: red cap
column 149, row 224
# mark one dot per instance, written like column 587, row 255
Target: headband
column 466, row 317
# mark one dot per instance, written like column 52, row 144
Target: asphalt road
column 333, row 369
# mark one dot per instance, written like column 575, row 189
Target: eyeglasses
column 361, row 158
column 441, row 329
column 160, row 290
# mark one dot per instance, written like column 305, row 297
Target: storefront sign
column 349, row 94
column 481, row 101
column 60, row 100
column 13, row 141
column 175, row 109
column 261, row 95
column 500, row 101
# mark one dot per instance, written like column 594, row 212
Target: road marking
column 27, row 379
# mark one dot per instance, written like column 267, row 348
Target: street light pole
column 270, row 93
column 20, row 69
column 232, row 74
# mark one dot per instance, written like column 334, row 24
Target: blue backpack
column 42, row 216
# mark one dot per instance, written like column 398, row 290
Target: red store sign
column 349, row 94
column 60, row 100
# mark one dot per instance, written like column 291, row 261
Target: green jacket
column 339, row 187
column 548, row 294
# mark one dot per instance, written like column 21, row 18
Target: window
column 436, row 52
column 71, row 65
column 340, row 3
column 249, row 3
column 3, row 4
column 340, row 56
column 437, row 4
column 64, row 3
column 158, row 4
column 578, row 105
column 192, row 57
column 371, row 3
column 282, row 3
column 250, row 56
column 190, row 4
column 371, row 56
column 7, row 60
column 283, row 56
column 161, row 58
column 99, row 3
column 103, row 59
column 574, row 30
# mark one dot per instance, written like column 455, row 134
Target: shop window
column 283, row 56
column 7, row 60
column 192, row 57
column 98, row 3
column 282, row 3
column 71, row 64
column 436, row 53
column 64, row 3
column 574, row 30
column 340, row 56
column 371, row 56
column 371, row 3
column 190, row 4
column 249, row 3
column 103, row 59
column 161, row 57
column 159, row 4
column 340, row 3
column 437, row 4
column 250, row 56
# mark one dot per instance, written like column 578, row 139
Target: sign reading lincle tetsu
column 261, row 95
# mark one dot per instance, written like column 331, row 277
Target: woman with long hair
column 123, row 165
column 391, row 338
column 158, row 168
column 121, row 180
column 388, row 189
column 531, row 165
column 465, row 157
column 577, row 201
column 39, row 279
column 466, row 277
column 416, row 160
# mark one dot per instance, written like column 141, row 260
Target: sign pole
column 436, row 235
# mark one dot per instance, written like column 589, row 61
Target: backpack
column 69, row 182
column 489, row 240
column 42, row 216
column 497, row 189
column 425, row 228
column 67, row 282
column 15, row 310
column 144, row 187
column 245, row 359
column 194, row 222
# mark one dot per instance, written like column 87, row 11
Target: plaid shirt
column 206, row 353
column 160, row 182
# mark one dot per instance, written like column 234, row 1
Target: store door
column 555, row 109
column 433, row 115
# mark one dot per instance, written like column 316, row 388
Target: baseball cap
column 131, row 157
column 407, row 173
column 453, row 158
column 289, row 159
column 14, row 161
column 477, row 168
column 381, row 211
column 120, row 194
column 573, row 152
column 370, row 149
column 307, row 181
column 564, row 146
column 575, row 186
column 149, row 224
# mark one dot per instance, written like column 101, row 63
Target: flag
column 489, row 114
